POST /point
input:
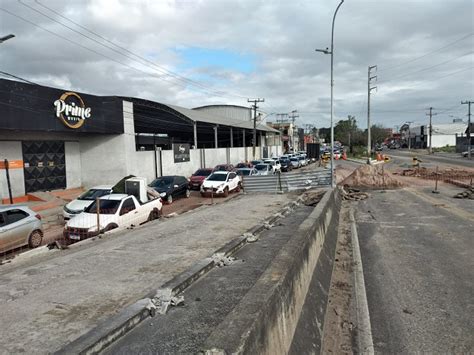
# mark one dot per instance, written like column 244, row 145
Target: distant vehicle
column 198, row 177
column 275, row 164
column 264, row 169
column 224, row 167
column 465, row 154
column 285, row 164
column 171, row 187
column 256, row 162
column 303, row 160
column 78, row 205
column 116, row 211
column 295, row 162
column 247, row 171
column 221, row 183
column 19, row 226
column 243, row 165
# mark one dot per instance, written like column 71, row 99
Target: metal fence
column 287, row 182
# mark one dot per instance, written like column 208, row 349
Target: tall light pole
column 6, row 38
column 331, row 52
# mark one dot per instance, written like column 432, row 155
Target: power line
column 429, row 53
column 17, row 77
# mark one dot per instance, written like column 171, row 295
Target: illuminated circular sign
column 71, row 110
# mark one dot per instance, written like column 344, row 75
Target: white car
column 19, row 226
column 221, row 183
column 264, row 169
column 116, row 211
column 275, row 164
column 78, row 205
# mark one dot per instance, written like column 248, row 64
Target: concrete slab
column 49, row 301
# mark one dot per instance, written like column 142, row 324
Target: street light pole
column 6, row 38
column 331, row 52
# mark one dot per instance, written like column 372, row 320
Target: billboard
column 181, row 152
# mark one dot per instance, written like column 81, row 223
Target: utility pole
column 293, row 117
column 468, row 103
column 254, row 106
column 369, row 89
column 431, row 114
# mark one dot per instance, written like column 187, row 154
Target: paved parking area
column 53, row 298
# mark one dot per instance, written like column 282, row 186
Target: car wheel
column 237, row 189
column 155, row 214
column 35, row 239
column 169, row 199
column 226, row 192
column 188, row 193
column 110, row 227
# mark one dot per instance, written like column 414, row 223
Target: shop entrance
column 44, row 165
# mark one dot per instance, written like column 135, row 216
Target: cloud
column 276, row 40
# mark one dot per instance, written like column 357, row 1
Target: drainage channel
column 204, row 304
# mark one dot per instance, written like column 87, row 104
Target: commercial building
column 56, row 139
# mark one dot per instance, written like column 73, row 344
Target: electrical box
column 137, row 187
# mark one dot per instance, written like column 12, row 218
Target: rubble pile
column 371, row 176
column 469, row 193
column 349, row 193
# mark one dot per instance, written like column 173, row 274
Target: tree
column 345, row 130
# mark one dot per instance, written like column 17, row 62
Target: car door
column 183, row 185
column 233, row 181
column 16, row 228
column 128, row 214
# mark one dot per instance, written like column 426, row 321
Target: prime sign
column 71, row 110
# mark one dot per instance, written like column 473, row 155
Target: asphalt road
column 418, row 259
column 450, row 159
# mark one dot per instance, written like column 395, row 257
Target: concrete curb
column 118, row 325
column 267, row 318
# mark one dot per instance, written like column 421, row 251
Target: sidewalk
column 52, row 299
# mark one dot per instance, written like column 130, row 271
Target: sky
column 199, row 52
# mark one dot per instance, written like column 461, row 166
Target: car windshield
column 202, row 172
column 162, row 183
column 244, row 172
column 106, row 207
column 261, row 167
column 217, row 177
column 92, row 194
column 294, row 159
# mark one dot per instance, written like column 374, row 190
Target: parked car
column 221, row 183
column 198, row 177
column 275, row 164
column 264, row 169
column 247, row 171
column 465, row 154
column 116, row 211
column 295, row 162
column 19, row 226
column 78, row 205
column 171, row 187
column 243, row 165
column 302, row 160
column 224, row 167
column 256, row 162
column 285, row 164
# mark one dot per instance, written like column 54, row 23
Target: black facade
column 29, row 107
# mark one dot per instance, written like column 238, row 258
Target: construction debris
column 352, row 194
column 312, row 197
column 373, row 177
column 469, row 194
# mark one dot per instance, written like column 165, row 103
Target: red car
column 224, row 167
column 198, row 177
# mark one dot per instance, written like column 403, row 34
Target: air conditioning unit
column 137, row 187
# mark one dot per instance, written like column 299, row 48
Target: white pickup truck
column 116, row 211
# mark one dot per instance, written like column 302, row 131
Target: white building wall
column 442, row 140
column 11, row 150
column 73, row 164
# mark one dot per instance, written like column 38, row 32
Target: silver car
column 264, row 169
column 19, row 226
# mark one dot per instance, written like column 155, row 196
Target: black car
column 286, row 164
column 171, row 187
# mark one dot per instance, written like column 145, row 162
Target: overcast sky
column 199, row 52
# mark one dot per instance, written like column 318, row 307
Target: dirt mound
column 371, row 176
